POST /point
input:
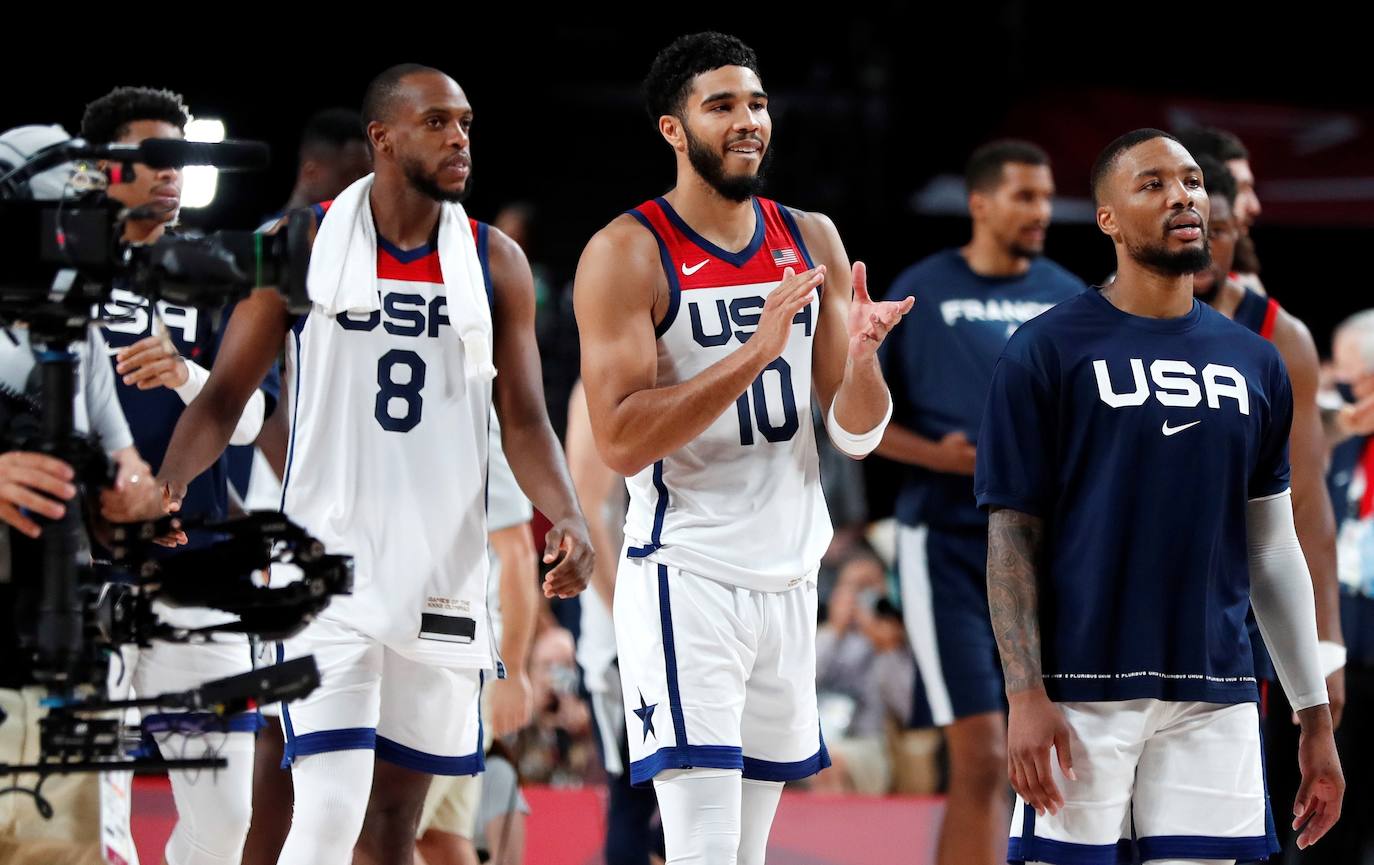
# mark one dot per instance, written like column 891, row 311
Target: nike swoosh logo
column 1168, row 430
column 688, row 271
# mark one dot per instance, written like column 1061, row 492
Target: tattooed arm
column 1034, row 724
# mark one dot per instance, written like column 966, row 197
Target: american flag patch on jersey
column 782, row 257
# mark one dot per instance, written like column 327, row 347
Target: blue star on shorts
column 646, row 714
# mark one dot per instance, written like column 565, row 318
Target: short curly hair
column 670, row 77
column 108, row 118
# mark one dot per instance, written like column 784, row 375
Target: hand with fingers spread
column 782, row 305
column 36, row 483
column 569, row 544
column 150, row 363
column 1318, row 804
column 870, row 321
column 1034, row 725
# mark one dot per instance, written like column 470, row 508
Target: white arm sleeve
column 1281, row 594
column 105, row 415
column 250, row 421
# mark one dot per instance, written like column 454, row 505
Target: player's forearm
column 1316, row 525
column 862, row 400
column 200, row 438
column 537, row 461
column 651, row 423
column 519, row 594
column 904, row 446
column 1281, row 595
column 1014, row 545
column 250, row 420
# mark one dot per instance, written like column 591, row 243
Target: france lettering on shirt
column 938, row 363
column 1138, row 441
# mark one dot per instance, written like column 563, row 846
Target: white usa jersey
column 388, row 461
column 741, row 503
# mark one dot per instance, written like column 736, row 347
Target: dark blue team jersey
column 938, row 363
column 1138, row 441
column 153, row 414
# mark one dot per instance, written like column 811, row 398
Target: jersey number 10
column 773, row 432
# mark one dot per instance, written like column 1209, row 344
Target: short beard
column 426, row 185
column 1019, row 251
column 1157, row 257
column 711, row 166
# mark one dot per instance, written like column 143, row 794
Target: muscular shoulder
column 625, row 249
column 506, row 259
column 1295, row 345
column 818, row 233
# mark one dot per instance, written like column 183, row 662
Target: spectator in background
column 554, row 326
column 557, row 748
column 1350, row 481
column 864, row 676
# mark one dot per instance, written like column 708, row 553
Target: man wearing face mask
column 161, row 356
column 1350, row 482
column 939, row 362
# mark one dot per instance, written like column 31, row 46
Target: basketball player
column 391, row 388
column 1227, row 148
column 698, row 313
column 939, row 361
column 333, row 154
column 1134, row 459
column 1312, row 506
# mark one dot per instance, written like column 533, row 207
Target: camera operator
column 35, row 486
column 162, row 356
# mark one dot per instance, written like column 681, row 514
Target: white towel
column 343, row 271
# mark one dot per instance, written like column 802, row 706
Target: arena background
column 874, row 114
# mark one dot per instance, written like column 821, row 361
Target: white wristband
column 196, row 377
column 857, row 446
column 1331, row 656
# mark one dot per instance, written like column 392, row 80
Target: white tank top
column 742, row 502
column 388, row 462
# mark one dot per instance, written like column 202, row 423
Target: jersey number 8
column 399, row 394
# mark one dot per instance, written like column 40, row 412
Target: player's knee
column 981, row 773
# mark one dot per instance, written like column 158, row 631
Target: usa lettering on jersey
column 1176, row 383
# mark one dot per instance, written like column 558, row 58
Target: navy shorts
column 945, row 604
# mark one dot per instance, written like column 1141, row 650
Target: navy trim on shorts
column 350, row 739
column 1204, row 847
column 660, row 511
column 408, row 758
column 642, row 772
column 1029, row 848
column 767, row 770
column 665, row 613
column 674, row 288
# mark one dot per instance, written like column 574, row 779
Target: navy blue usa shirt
column 153, row 414
column 1138, row 441
column 938, row 363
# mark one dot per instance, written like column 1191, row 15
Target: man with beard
column 391, row 382
column 1313, row 511
column 939, row 362
column 704, row 327
column 1227, row 148
column 1134, row 459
